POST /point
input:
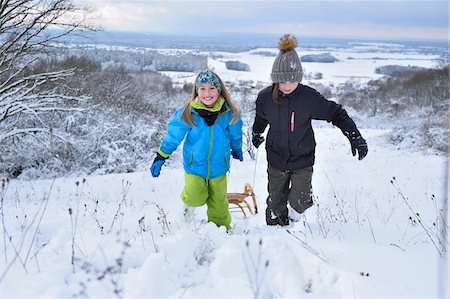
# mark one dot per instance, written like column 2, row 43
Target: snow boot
column 296, row 215
column 272, row 219
column 189, row 216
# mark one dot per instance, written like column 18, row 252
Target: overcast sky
column 380, row 19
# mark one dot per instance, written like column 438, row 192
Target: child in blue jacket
column 211, row 127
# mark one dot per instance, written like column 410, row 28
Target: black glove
column 358, row 144
column 257, row 139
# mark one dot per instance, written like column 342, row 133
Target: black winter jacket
column 290, row 141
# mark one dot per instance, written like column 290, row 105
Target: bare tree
column 27, row 29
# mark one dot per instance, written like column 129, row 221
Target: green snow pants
column 213, row 192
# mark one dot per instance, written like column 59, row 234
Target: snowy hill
column 375, row 230
column 372, row 233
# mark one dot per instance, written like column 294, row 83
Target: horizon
column 278, row 35
column 270, row 37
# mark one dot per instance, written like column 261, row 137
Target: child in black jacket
column 288, row 108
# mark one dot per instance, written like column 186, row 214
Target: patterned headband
column 208, row 77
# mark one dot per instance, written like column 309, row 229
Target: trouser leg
column 218, row 203
column 195, row 192
column 300, row 192
column 199, row 191
column 278, row 187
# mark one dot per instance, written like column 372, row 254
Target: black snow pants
column 287, row 186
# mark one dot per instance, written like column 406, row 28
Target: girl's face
column 287, row 87
column 208, row 94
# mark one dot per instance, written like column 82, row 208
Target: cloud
column 133, row 16
column 404, row 19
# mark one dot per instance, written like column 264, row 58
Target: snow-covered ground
column 372, row 233
column 355, row 63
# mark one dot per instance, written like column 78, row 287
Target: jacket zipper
column 210, row 150
column 292, row 121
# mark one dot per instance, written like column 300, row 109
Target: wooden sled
column 239, row 199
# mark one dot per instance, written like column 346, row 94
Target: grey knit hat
column 287, row 66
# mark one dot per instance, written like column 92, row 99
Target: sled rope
column 254, row 171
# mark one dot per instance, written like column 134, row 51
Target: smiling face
column 287, row 87
column 208, row 94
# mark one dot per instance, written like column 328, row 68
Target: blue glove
column 155, row 169
column 237, row 155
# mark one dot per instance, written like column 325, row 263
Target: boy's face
column 208, row 94
column 287, row 87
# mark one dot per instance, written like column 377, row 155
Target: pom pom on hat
column 288, row 42
column 287, row 66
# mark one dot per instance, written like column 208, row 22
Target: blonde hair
column 187, row 111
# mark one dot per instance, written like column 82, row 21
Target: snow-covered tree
column 27, row 29
column 180, row 63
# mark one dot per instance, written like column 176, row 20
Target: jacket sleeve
column 236, row 135
column 334, row 113
column 176, row 131
column 261, row 121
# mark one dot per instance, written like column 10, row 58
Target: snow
column 129, row 239
column 357, row 63
column 374, row 231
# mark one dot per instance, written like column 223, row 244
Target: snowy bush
column 264, row 53
column 425, row 131
column 117, row 130
column 321, row 58
column 428, row 88
column 133, row 59
column 244, row 96
column 237, row 66
column 313, row 75
column 397, row 69
column 423, row 93
column 182, row 63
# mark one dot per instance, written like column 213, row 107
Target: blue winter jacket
column 206, row 149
